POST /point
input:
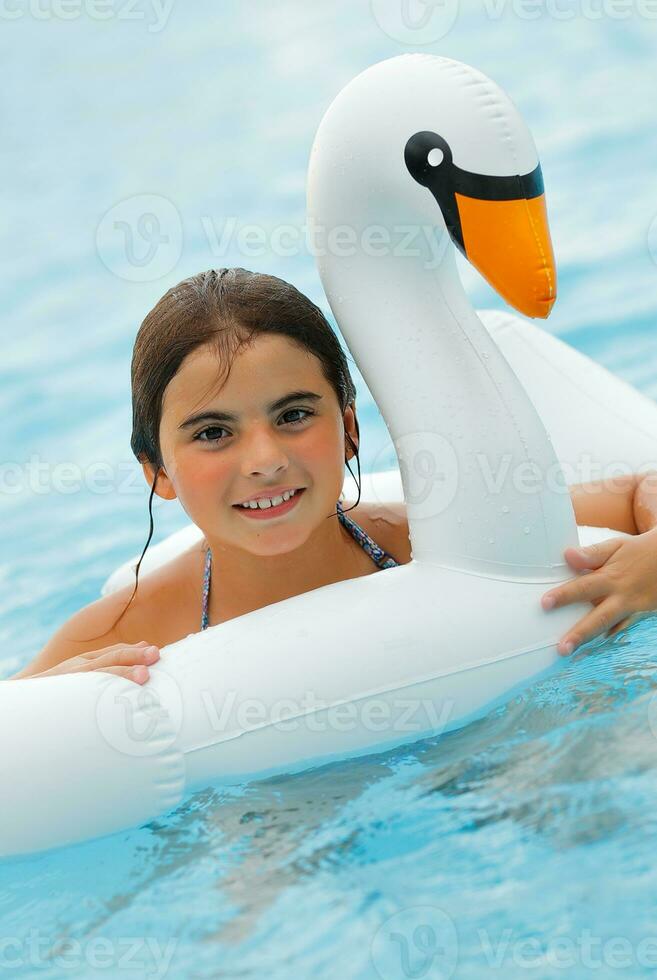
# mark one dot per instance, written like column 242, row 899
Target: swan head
column 423, row 138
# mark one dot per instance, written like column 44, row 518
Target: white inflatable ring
column 365, row 664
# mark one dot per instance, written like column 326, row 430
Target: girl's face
column 220, row 449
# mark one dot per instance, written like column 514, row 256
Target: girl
column 241, row 393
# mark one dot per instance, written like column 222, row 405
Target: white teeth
column 266, row 502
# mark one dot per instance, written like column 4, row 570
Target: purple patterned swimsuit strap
column 206, row 589
column 377, row 554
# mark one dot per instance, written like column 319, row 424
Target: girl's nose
column 263, row 454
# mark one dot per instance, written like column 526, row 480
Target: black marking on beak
column 444, row 179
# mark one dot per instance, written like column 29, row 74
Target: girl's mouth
column 267, row 513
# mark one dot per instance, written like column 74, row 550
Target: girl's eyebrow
column 230, row 417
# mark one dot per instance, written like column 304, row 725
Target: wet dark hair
column 226, row 309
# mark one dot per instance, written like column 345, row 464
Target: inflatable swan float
column 475, row 404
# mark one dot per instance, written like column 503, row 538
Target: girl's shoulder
column 154, row 614
column 386, row 524
column 165, row 607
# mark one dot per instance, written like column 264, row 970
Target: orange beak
column 509, row 243
column 499, row 223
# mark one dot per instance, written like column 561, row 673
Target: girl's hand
column 128, row 660
column 619, row 577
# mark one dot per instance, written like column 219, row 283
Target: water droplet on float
column 505, row 509
column 526, row 530
column 491, row 540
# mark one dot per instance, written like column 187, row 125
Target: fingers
column 91, row 654
column 599, row 620
column 130, row 662
column 127, row 661
column 582, row 589
column 592, row 555
column 121, row 656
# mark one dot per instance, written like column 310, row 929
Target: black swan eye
column 424, row 153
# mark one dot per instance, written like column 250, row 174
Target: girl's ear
column 164, row 487
column 350, row 430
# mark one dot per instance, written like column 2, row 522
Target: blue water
column 520, row 846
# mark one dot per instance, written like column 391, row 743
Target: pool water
column 522, row 845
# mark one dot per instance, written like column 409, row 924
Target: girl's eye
column 291, row 411
column 219, row 428
column 212, row 428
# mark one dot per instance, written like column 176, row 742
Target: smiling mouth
column 270, row 511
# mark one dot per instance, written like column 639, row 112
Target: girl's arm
column 614, row 502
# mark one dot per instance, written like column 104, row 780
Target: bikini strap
column 206, row 589
column 377, row 554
